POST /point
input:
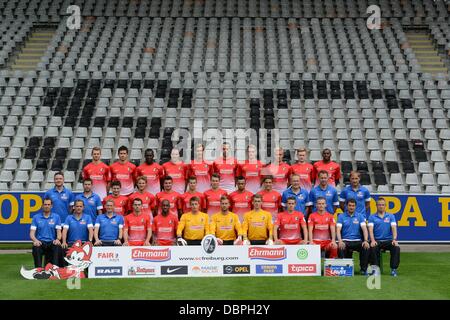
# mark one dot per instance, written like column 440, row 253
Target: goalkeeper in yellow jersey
column 257, row 228
column 225, row 225
column 193, row 225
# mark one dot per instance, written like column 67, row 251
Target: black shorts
column 228, row 242
column 194, row 242
column 258, row 242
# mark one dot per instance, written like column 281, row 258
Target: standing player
column 200, row 169
column 109, row 227
column 383, row 233
column 241, row 199
column 138, row 227
column 193, row 225
column 227, row 169
column 348, row 230
column 324, row 190
column 322, row 229
column 305, row 170
column 61, row 197
column 225, row 225
column 152, row 171
column 177, row 170
column 296, row 191
column 213, row 195
column 98, row 172
column 192, row 192
column 165, row 226
column 257, row 228
column 251, row 170
column 358, row 193
column 120, row 202
column 333, row 168
column 148, row 200
column 290, row 225
column 91, row 201
column 271, row 198
column 279, row 170
column 170, row 195
column 123, row 171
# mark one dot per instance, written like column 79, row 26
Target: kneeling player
column 225, row 225
column 257, row 228
column 138, row 227
column 322, row 229
column 193, row 225
column 289, row 225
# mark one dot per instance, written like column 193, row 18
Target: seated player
column 164, row 226
column 289, row 225
column 257, row 228
column 77, row 227
column 138, row 227
column 322, row 229
column 225, row 225
column 193, row 225
column 109, row 227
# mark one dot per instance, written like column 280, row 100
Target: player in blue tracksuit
column 326, row 191
column 109, row 227
column 383, row 235
column 357, row 192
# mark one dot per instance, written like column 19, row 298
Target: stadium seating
column 310, row 69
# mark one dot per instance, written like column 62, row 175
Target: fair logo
column 270, row 254
column 150, row 255
column 302, row 254
column 110, row 256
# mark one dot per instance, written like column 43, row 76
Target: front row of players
column 350, row 233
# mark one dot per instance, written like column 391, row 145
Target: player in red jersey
column 333, row 168
column 192, row 192
column 170, row 195
column 227, row 168
column 201, row 169
column 98, row 172
column 241, row 199
column 176, row 169
column 164, row 226
column 120, row 202
column 279, row 170
column 251, row 170
column 322, row 229
column 212, row 196
column 152, row 170
column 148, row 200
column 138, row 227
column 271, row 198
column 289, row 225
column 123, row 171
column 304, row 169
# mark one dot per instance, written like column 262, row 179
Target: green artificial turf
column 421, row 276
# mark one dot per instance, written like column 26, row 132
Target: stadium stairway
column 426, row 53
column 33, row 49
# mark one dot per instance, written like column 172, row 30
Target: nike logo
column 173, row 270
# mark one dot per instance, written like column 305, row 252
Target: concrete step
column 435, row 70
column 33, row 50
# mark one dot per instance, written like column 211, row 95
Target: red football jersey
column 202, row 171
column 280, row 173
column 120, row 204
column 212, row 199
column 271, row 201
column 306, row 172
column 241, row 203
column 227, row 170
column 174, row 199
column 251, row 171
column 148, row 202
column 100, row 175
column 289, row 225
column 186, row 197
column 125, row 174
column 333, row 169
column 178, row 173
column 322, row 225
column 154, row 173
column 165, row 229
column 137, row 227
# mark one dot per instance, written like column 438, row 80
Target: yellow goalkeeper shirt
column 193, row 226
column 257, row 225
column 225, row 226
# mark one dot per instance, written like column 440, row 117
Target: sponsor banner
column 205, row 261
column 420, row 218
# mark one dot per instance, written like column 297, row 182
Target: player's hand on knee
column 373, row 244
column 37, row 243
column 341, row 245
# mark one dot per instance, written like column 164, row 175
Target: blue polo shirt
column 46, row 227
column 109, row 227
column 78, row 228
column 351, row 226
column 361, row 196
column 91, row 204
column 302, row 198
column 329, row 193
column 382, row 226
column 61, row 201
